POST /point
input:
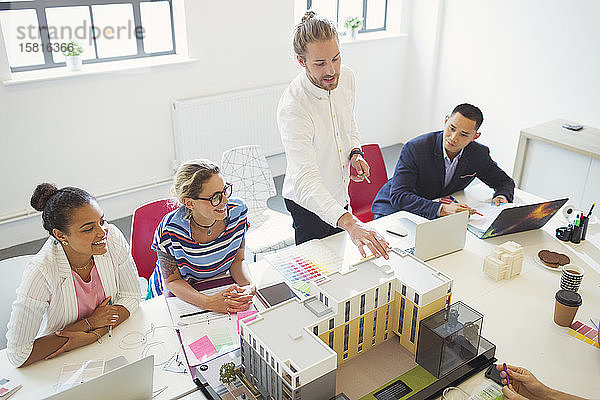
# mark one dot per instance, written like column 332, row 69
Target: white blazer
column 46, row 300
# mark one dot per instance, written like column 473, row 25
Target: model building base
column 419, row 384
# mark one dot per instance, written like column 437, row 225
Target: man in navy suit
column 437, row 164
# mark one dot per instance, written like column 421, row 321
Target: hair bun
column 308, row 16
column 41, row 194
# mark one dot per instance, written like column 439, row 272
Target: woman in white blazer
column 82, row 282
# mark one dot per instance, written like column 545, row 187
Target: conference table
column 518, row 312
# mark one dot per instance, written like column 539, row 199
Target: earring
column 64, row 242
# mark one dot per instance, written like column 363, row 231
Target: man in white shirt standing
column 316, row 121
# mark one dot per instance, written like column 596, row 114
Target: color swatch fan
column 310, row 261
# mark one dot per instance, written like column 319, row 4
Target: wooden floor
column 373, row 368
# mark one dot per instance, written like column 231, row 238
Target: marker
column 590, row 213
column 505, row 370
column 366, row 179
column 194, row 313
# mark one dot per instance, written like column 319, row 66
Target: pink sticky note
column 203, row 348
column 244, row 314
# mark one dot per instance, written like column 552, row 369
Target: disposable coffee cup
column 571, row 277
column 566, row 304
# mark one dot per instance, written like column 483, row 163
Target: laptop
column 132, row 381
column 519, row 219
column 435, row 238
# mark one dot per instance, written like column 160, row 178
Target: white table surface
column 518, row 313
column 38, row 379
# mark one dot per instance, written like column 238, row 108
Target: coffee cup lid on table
column 568, row 298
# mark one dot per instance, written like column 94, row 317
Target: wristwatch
column 356, row 151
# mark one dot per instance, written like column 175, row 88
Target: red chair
column 145, row 220
column 362, row 193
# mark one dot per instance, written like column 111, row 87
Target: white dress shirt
column 46, row 300
column 318, row 131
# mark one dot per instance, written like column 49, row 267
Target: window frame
column 40, row 7
column 364, row 16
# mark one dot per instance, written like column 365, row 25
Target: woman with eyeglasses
column 201, row 239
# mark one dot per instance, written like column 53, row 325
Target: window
column 359, row 348
column 331, row 323
column 321, row 297
column 389, row 292
column 376, row 297
column 403, row 290
column 413, row 327
column 37, row 32
column 262, row 351
column 331, row 340
column 372, row 12
column 361, row 327
column 401, row 321
column 326, row 301
column 374, row 324
column 347, row 312
column 346, row 335
column 316, row 330
column 345, row 356
column 416, row 298
column 362, row 304
column 387, row 316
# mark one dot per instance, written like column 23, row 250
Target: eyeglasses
column 217, row 198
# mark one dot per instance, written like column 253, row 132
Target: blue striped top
column 197, row 261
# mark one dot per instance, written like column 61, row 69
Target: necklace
column 85, row 266
column 209, row 227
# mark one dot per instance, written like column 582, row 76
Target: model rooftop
column 283, row 328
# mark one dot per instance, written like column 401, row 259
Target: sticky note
column 203, row 348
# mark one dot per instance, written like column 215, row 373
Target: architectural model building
column 505, row 262
column 292, row 350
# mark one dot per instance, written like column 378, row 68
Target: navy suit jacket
column 420, row 172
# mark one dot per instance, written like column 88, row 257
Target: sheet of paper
column 489, row 213
column 221, row 331
column 73, row 374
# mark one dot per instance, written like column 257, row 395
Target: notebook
column 131, row 381
column 511, row 218
column 434, row 238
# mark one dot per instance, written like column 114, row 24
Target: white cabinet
column 553, row 162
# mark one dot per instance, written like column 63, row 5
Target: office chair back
column 12, row 272
column 145, row 220
column 362, row 193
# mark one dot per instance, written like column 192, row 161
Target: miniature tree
column 227, row 373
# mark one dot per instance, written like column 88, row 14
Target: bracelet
column 97, row 334
column 88, row 322
column 356, row 151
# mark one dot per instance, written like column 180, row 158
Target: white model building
column 291, row 351
column 505, row 262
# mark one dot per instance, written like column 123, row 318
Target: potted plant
column 72, row 55
column 353, row 24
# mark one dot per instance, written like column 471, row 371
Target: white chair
column 246, row 168
column 12, row 272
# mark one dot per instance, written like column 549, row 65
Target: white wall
column 522, row 62
column 113, row 131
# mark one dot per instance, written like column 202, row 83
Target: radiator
column 204, row 127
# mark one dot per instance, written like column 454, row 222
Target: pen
column 110, row 326
column 396, row 233
column 507, row 378
column 194, row 313
column 590, row 213
column 366, row 179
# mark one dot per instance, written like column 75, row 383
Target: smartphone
column 493, row 374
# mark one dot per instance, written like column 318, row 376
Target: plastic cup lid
column 568, row 298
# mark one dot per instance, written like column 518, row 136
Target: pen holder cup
column 584, row 226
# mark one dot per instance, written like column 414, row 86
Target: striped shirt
column 198, row 261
